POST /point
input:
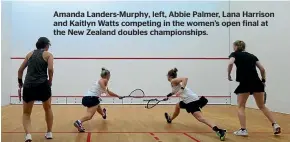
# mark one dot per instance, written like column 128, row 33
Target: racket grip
column 169, row 95
column 19, row 94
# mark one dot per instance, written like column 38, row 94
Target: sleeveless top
column 36, row 69
column 187, row 96
column 95, row 90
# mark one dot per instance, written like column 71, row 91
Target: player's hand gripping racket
column 153, row 102
column 137, row 93
column 19, row 94
column 20, row 84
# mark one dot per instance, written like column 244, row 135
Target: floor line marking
column 191, row 137
column 155, row 137
column 89, row 137
column 180, row 132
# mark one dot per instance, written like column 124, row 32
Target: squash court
column 209, row 42
column 134, row 123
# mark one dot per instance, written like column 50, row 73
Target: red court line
column 89, row 137
column 131, row 58
column 155, row 137
column 191, row 137
column 144, row 96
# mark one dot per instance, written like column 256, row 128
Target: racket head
column 152, row 103
column 137, row 93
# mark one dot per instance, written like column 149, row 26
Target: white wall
column 206, row 77
column 5, row 52
column 74, row 77
column 271, row 45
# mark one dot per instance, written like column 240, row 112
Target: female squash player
column 250, row 83
column 91, row 99
column 36, row 86
column 190, row 102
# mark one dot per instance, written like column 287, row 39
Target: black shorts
column 90, row 101
column 41, row 92
column 190, row 107
column 250, row 87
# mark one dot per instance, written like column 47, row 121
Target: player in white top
column 190, row 102
column 91, row 99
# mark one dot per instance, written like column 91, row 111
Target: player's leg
column 242, row 100
column 28, row 102
column 92, row 103
column 175, row 114
column 89, row 114
column 102, row 112
column 45, row 96
column 198, row 115
column 26, row 120
column 259, row 98
column 243, row 92
column 48, row 118
column 220, row 132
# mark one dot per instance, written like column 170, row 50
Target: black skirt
column 90, row 101
column 190, row 107
column 41, row 92
column 250, row 87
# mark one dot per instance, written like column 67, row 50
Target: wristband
column 20, row 81
column 170, row 94
column 182, row 88
column 263, row 80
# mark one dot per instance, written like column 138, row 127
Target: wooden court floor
column 134, row 123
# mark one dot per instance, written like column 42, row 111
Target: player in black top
column 37, row 85
column 250, row 83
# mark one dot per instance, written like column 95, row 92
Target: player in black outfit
column 250, row 83
column 37, row 85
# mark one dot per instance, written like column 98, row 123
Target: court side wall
column 73, row 77
column 272, row 47
column 5, row 52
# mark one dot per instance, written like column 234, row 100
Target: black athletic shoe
column 167, row 117
column 222, row 134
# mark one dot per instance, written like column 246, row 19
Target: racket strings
column 137, row 94
column 152, row 103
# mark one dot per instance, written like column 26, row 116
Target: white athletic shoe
column 241, row 133
column 276, row 129
column 48, row 135
column 28, row 138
